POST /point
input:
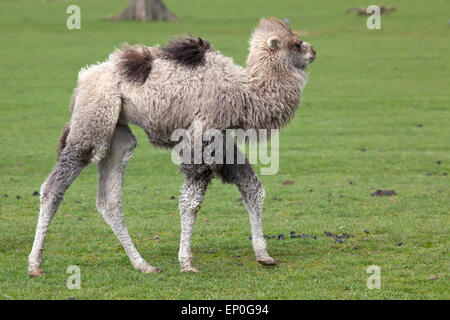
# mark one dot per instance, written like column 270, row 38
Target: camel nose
column 309, row 48
column 309, row 51
column 306, row 45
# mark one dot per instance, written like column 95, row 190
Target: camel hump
column 135, row 64
column 186, row 50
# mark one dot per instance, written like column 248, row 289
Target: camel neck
column 273, row 100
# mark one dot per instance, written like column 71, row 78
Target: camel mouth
column 308, row 59
column 313, row 55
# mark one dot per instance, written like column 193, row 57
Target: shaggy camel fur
column 163, row 89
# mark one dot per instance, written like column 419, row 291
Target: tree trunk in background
column 146, row 10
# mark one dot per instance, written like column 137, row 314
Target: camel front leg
column 243, row 176
column 191, row 198
column 253, row 195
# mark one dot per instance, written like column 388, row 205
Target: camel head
column 274, row 48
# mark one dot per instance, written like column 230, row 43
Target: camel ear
column 274, row 43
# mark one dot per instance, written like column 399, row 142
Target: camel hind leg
column 109, row 203
column 85, row 140
column 69, row 165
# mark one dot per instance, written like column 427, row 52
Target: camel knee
column 190, row 203
column 254, row 196
column 258, row 191
column 193, row 192
column 251, row 188
column 109, row 206
column 68, row 167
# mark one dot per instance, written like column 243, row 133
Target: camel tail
column 63, row 139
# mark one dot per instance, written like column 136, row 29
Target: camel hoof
column 150, row 269
column 144, row 267
column 190, row 269
column 267, row 261
column 36, row 272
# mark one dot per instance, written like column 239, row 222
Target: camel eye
column 298, row 44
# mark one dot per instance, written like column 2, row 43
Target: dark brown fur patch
column 63, row 139
column 136, row 64
column 86, row 156
column 187, row 51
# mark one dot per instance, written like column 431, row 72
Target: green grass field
column 384, row 91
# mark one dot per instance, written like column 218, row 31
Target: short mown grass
column 383, row 91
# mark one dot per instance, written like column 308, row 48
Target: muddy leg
column 243, row 176
column 191, row 198
column 68, row 167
